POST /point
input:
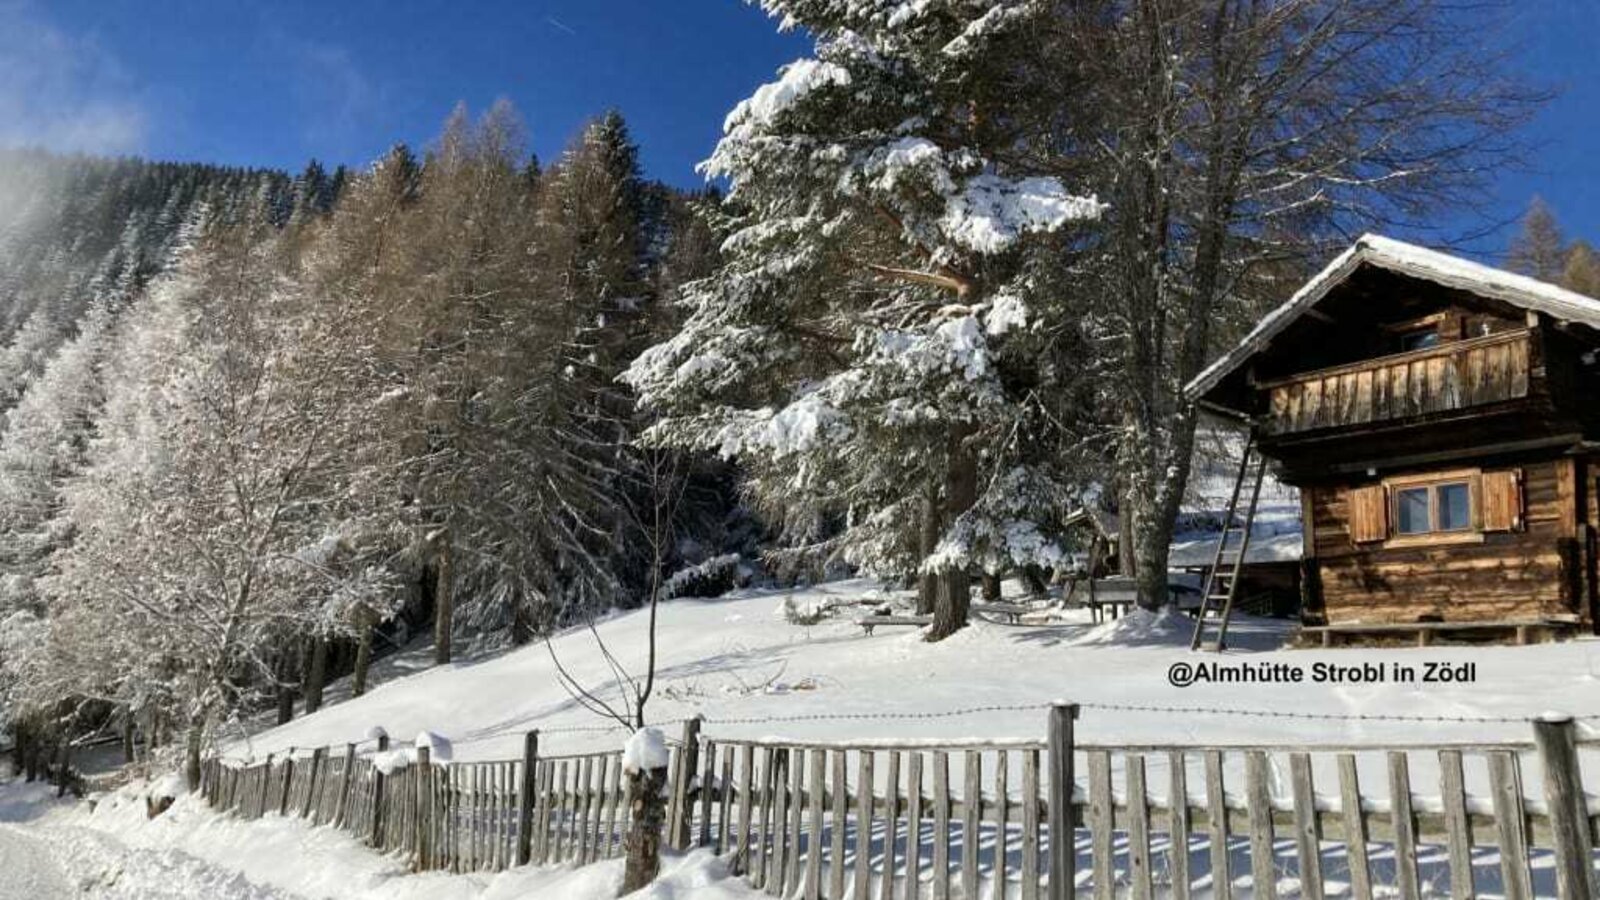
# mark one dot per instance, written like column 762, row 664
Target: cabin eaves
column 1414, row 261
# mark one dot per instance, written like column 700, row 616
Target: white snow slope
column 736, row 658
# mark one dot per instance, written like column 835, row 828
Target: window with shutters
column 1457, row 506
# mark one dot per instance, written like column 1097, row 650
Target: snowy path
column 42, row 859
column 28, row 869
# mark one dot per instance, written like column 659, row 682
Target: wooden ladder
column 1222, row 586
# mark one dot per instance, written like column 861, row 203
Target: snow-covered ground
column 740, row 662
column 56, row 850
column 737, row 661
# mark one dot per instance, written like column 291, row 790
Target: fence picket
column 941, row 825
column 1404, row 824
column 1355, row 827
column 1217, row 826
column 746, row 764
column 707, row 781
column 1505, row 784
column 914, row 827
column 780, row 823
column 971, row 804
column 1178, row 829
column 1307, row 834
column 763, row 804
column 1138, row 828
column 583, row 809
column 1100, row 824
column 613, row 833
column 891, row 825
column 791, row 862
column 864, row 803
column 1258, row 800
column 1030, row 825
column 1452, row 789
column 725, row 801
column 819, row 774
column 840, row 819
column 1002, row 803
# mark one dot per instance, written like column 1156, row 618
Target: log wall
column 1527, row 574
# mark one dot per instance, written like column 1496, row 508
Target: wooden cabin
column 1441, row 419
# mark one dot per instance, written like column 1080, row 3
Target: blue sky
column 274, row 84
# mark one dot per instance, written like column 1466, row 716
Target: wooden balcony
column 1454, row 376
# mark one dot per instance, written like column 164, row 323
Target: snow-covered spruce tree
column 892, row 236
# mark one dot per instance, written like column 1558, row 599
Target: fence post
column 377, row 795
column 1063, row 822
column 424, row 808
column 688, row 766
column 1563, row 790
column 311, row 786
column 266, row 785
column 344, row 786
column 530, row 766
column 288, row 781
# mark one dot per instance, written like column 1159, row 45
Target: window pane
column 1455, row 507
column 1419, row 340
column 1411, row 506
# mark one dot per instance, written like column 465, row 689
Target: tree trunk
column 191, row 754
column 1033, row 577
column 127, row 736
column 443, row 604
column 365, row 627
column 316, row 674
column 1155, row 521
column 522, row 630
column 955, row 585
column 927, row 540
column 991, row 588
column 287, row 664
column 63, row 768
column 643, row 842
column 20, row 751
column 1126, row 564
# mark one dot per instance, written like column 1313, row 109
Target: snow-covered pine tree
column 890, row 237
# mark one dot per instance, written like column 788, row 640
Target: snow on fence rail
column 892, row 819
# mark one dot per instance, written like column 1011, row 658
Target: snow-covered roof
column 1196, row 550
column 1106, row 523
column 1416, row 262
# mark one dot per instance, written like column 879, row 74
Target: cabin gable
column 1438, row 417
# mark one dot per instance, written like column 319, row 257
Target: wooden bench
column 1012, row 613
column 870, row 622
column 1425, row 632
column 1118, row 595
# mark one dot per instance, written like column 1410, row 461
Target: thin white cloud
column 63, row 91
column 338, row 103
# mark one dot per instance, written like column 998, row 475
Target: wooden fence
column 968, row 819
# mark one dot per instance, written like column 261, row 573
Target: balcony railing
column 1453, row 376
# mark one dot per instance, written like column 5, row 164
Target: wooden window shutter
column 1502, row 500
column 1369, row 514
